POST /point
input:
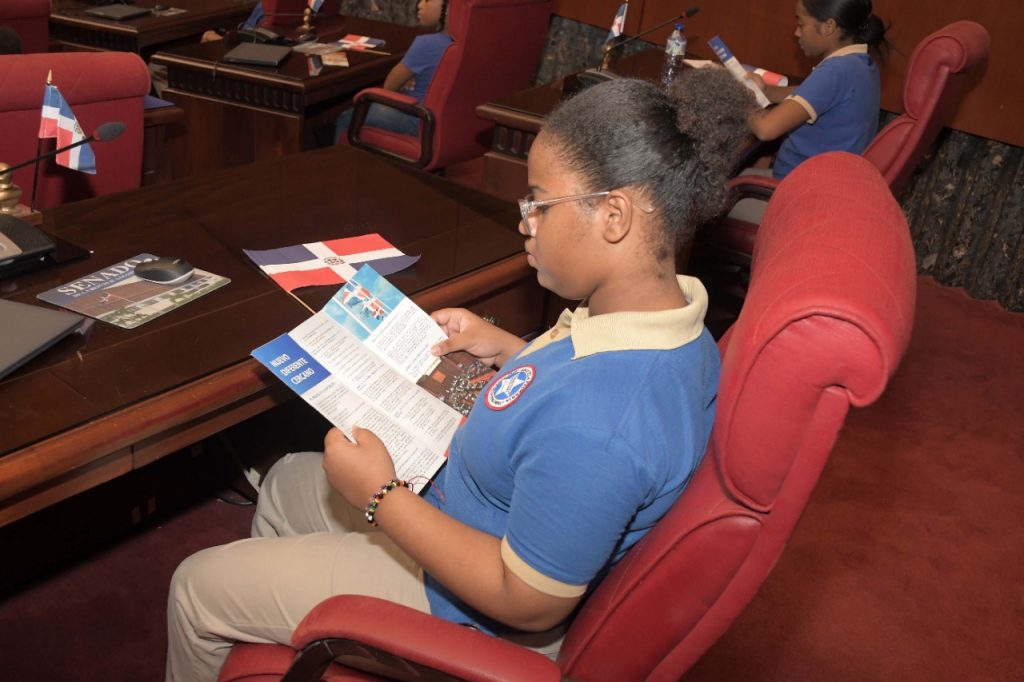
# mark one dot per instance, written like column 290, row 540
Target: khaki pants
column 308, row 544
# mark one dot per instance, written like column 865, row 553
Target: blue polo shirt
column 581, row 443
column 843, row 98
column 422, row 59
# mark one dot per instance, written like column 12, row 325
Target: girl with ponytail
column 837, row 107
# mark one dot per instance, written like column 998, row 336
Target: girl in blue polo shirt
column 411, row 76
column 837, row 107
column 581, row 442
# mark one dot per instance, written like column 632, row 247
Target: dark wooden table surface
column 90, row 409
column 236, row 114
column 72, row 29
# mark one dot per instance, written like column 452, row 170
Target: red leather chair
column 99, row 87
column 932, row 88
column 30, row 19
column 495, row 51
column 826, row 322
column 289, row 12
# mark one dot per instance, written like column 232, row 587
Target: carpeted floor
column 908, row 563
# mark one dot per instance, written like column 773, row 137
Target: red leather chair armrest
column 399, row 638
column 752, row 187
column 403, row 103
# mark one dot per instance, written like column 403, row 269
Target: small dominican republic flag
column 617, row 23
column 357, row 42
column 315, row 5
column 332, row 262
column 59, row 121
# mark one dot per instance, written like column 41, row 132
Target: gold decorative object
column 305, row 31
column 10, row 194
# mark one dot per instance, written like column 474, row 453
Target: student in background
column 583, row 440
column 411, row 76
column 837, row 107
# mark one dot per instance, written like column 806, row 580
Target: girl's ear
column 829, row 26
column 617, row 215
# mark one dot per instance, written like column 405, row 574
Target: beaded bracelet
column 371, row 508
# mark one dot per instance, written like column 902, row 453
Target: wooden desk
column 159, row 127
column 238, row 114
column 519, row 117
column 72, row 29
column 88, row 410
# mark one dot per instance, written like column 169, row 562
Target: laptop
column 257, row 54
column 117, row 12
column 28, row 330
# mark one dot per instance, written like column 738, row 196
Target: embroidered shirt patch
column 507, row 389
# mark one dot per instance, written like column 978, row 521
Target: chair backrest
column 99, row 87
column 826, row 320
column 935, row 82
column 289, row 12
column 30, row 19
column 496, row 47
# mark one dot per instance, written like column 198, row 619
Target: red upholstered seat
column 936, row 78
column 99, row 87
column 825, row 324
column 289, row 12
column 495, row 51
column 30, row 19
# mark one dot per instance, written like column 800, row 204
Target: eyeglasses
column 528, row 206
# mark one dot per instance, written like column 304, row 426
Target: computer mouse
column 165, row 270
column 159, row 8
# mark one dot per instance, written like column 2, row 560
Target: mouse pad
column 116, row 296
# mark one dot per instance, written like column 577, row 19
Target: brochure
column 115, row 295
column 364, row 360
column 734, row 67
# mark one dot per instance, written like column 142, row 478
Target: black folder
column 257, row 54
column 117, row 12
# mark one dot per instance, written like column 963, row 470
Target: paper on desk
column 318, row 48
column 357, row 42
column 336, row 59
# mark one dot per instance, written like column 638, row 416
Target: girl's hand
column 469, row 332
column 758, row 81
column 356, row 470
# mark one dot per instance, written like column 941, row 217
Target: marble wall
column 965, row 204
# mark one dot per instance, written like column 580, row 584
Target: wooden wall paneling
column 599, row 12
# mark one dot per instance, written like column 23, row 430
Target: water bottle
column 675, row 50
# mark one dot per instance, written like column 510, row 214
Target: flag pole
column 39, row 152
column 301, row 302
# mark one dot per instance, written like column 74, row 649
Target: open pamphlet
column 364, row 360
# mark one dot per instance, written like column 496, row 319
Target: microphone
column 583, row 80
column 103, row 133
column 609, row 47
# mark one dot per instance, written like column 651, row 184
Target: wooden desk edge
column 28, row 477
column 511, row 118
